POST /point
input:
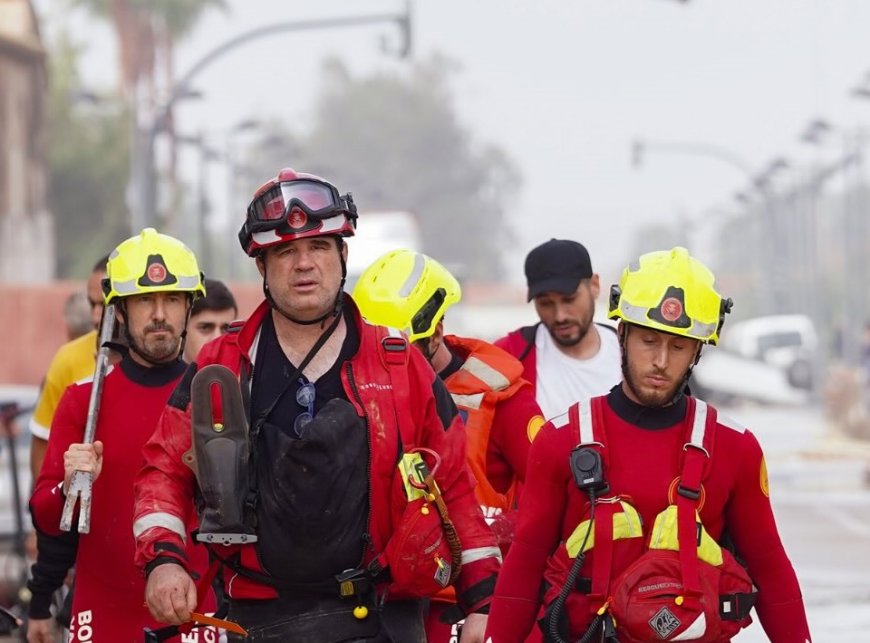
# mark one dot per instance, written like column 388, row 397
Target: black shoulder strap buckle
column 394, row 350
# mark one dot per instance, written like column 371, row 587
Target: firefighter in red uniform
column 629, row 494
column 412, row 292
column 153, row 280
column 332, row 536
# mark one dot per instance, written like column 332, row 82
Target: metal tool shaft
column 82, row 482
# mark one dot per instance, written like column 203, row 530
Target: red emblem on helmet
column 671, row 309
column 156, row 273
column 297, row 218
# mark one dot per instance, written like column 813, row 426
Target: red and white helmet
column 295, row 205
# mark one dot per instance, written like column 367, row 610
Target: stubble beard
column 647, row 397
column 158, row 350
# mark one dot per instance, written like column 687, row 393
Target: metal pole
column 203, row 207
column 144, row 171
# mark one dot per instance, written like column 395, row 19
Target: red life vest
column 653, row 586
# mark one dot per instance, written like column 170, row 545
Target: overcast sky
column 564, row 87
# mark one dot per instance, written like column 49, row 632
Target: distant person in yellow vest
column 411, row 292
column 72, row 362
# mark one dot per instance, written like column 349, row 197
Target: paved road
column 823, row 511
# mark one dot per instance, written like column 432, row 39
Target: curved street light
column 143, row 178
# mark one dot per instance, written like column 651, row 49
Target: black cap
column 558, row 266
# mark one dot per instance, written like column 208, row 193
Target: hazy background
column 562, row 87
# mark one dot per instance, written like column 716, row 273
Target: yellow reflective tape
column 626, row 524
column 664, row 536
column 412, row 466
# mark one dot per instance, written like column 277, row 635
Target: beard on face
column 581, row 328
column 648, row 396
column 157, row 349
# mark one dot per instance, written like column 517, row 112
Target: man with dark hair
column 630, row 494
column 329, row 522
column 210, row 317
column 152, row 280
column 566, row 356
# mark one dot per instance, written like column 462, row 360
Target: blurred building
column 26, row 228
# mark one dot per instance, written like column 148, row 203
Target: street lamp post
column 769, row 292
column 143, row 191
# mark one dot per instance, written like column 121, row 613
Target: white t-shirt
column 563, row 380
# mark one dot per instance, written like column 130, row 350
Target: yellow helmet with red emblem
column 673, row 292
column 151, row 262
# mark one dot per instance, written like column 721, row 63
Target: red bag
column 424, row 553
column 647, row 604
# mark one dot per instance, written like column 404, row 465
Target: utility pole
column 149, row 124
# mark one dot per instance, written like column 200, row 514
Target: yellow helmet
column 151, row 262
column 673, row 292
column 406, row 290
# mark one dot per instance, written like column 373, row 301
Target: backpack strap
column 393, row 347
column 528, row 334
column 695, row 468
column 586, row 423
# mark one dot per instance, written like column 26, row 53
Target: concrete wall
column 33, row 327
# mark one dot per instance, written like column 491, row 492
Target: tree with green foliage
column 88, row 169
column 397, row 143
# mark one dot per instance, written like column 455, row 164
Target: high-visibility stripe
column 160, row 519
column 586, row 420
column 699, row 424
column 472, row 401
column 664, row 536
column 131, row 287
column 413, row 278
column 640, row 315
column 486, row 373
column 479, row 553
column 626, row 524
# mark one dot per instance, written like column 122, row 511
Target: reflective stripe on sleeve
column 160, row 519
column 479, row 553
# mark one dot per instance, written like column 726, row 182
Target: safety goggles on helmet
column 314, row 199
column 291, row 209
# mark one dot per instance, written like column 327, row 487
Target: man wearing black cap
column 566, row 356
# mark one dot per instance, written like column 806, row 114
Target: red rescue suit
column 109, row 595
column 643, row 465
column 165, row 486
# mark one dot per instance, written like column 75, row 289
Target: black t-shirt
column 313, row 490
